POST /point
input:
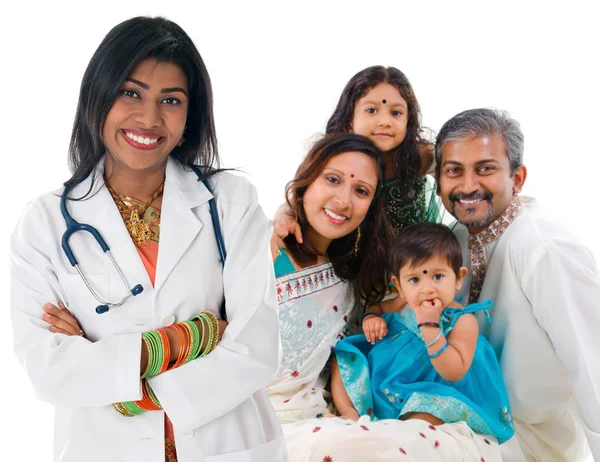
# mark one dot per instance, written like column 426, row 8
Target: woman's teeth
column 334, row 216
column 141, row 139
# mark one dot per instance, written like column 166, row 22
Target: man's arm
column 562, row 283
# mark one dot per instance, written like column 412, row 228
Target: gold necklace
column 138, row 230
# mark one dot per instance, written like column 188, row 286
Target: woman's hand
column 61, row 320
column 374, row 328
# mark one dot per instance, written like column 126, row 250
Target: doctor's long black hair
column 123, row 48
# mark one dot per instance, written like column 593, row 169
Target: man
column 545, row 287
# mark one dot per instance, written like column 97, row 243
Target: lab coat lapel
column 179, row 226
column 100, row 211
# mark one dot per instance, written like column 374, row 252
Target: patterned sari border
column 306, row 282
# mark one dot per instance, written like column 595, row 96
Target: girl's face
column 338, row 200
column 432, row 279
column 147, row 119
column 381, row 115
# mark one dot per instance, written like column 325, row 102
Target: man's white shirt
column 545, row 329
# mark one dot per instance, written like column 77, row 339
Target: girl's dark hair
column 419, row 242
column 365, row 268
column 123, row 48
column 407, row 161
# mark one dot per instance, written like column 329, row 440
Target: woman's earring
column 356, row 241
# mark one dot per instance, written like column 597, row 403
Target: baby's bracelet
column 434, row 340
column 440, row 351
column 367, row 313
column 428, row 324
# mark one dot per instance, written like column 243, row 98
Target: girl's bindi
column 384, row 101
column 352, row 175
column 424, row 271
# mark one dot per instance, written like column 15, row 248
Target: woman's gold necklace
column 138, row 230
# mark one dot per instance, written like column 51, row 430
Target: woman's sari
column 316, row 310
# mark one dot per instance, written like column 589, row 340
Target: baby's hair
column 420, row 242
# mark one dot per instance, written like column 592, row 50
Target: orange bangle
column 146, row 401
column 188, row 343
column 164, row 339
column 183, row 345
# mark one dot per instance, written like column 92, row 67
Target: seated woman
column 336, row 195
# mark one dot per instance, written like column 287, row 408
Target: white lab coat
column 219, row 409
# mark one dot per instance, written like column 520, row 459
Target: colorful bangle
column 149, row 351
column 155, row 357
column 214, row 331
column 434, row 340
column 211, row 322
column 121, row 410
column 166, row 350
column 440, row 351
column 132, row 407
column 428, row 324
column 184, row 345
column 204, row 324
column 195, row 337
column 147, row 403
column 152, row 396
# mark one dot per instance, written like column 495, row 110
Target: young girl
column 379, row 103
column 432, row 365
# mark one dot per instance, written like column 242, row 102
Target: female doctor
column 143, row 120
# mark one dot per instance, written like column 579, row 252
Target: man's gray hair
column 479, row 122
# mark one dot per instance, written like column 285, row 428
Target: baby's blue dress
column 395, row 376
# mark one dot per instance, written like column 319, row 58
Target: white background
column 277, row 71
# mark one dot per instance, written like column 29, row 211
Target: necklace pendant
column 138, row 230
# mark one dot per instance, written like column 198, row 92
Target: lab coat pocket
column 82, row 303
column 273, row 451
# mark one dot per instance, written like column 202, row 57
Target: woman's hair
column 123, row 48
column 419, row 242
column 365, row 268
column 407, row 161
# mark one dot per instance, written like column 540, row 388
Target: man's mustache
column 477, row 195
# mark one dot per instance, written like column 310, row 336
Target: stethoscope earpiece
column 138, row 289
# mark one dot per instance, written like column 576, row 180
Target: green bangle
column 195, row 340
column 204, row 322
column 132, row 407
column 157, row 352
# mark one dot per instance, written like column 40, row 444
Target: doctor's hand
column 61, row 320
column 222, row 326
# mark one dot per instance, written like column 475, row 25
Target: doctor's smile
column 142, row 140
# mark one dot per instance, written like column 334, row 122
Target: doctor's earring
column 356, row 241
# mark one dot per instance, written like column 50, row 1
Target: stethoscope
column 74, row 226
